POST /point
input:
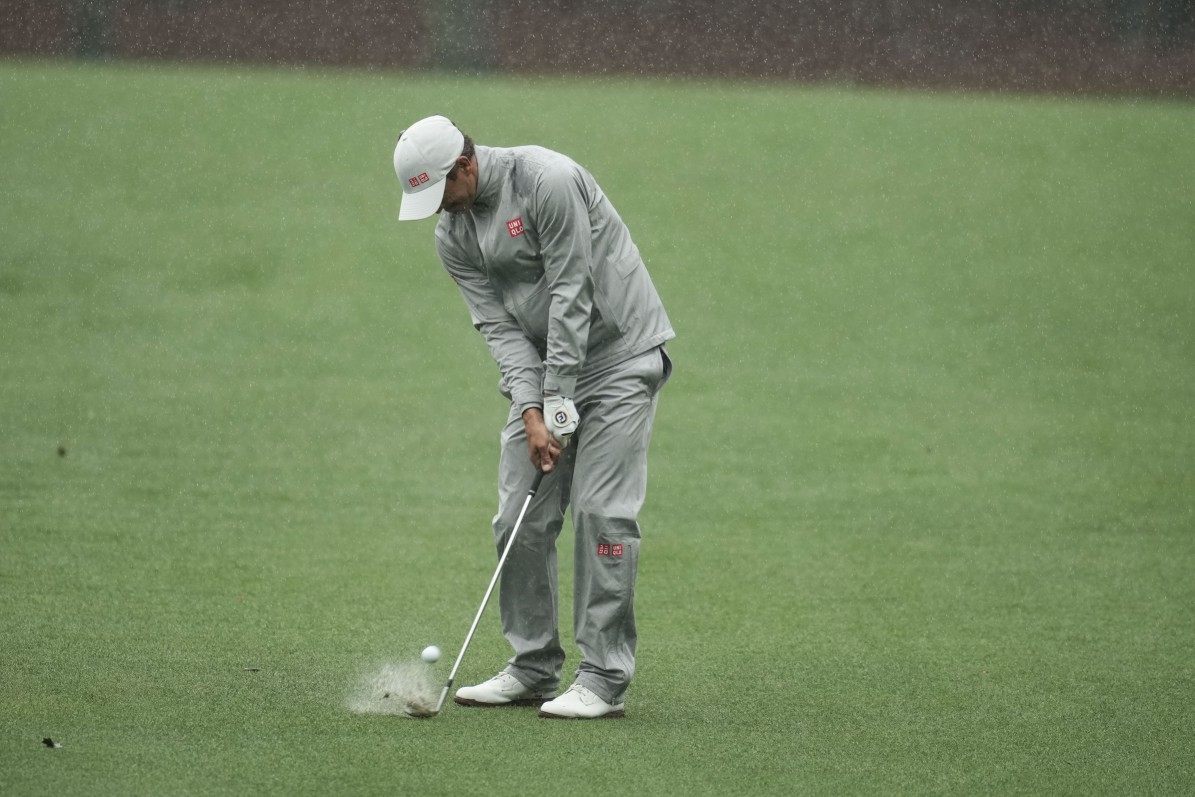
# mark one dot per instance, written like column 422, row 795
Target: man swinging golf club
column 560, row 293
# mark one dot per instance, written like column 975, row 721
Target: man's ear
column 462, row 163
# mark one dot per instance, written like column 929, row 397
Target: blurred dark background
column 1083, row 46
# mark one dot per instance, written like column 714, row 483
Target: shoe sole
column 526, row 701
column 616, row 714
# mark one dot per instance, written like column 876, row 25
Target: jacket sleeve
column 518, row 361
column 561, row 219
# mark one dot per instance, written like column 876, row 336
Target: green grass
column 922, row 493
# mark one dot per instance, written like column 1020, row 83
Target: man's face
column 461, row 189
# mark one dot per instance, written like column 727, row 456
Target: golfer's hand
column 543, row 448
column 560, row 415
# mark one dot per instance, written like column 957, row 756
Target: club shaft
column 539, row 477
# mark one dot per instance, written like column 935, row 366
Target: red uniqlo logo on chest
column 418, row 180
column 515, row 227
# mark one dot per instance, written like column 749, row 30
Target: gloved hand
column 561, row 418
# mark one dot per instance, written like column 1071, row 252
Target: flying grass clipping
column 406, row 690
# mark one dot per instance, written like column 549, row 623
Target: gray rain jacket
column 549, row 273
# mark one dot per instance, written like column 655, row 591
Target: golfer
column 559, row 291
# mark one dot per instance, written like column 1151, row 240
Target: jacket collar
column 488, row 179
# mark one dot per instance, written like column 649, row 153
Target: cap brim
column 423, row 203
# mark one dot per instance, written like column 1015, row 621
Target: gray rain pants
column 603, row 475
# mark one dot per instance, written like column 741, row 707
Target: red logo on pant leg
column 616, row 550
column 603, row 549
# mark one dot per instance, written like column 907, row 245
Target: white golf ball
column 430, row 653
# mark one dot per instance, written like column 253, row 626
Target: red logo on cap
column 515, row 227
column 417, row 180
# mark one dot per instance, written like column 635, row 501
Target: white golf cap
column 426, row 152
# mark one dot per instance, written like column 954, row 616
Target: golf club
column 420, row 711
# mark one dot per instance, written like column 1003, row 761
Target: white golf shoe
column 501, row 690
column 579, row 703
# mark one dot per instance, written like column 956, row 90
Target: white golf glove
column 560, row 415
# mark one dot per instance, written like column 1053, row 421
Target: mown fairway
column 923, row 491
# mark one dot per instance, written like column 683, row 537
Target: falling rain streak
column 1082, row 46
